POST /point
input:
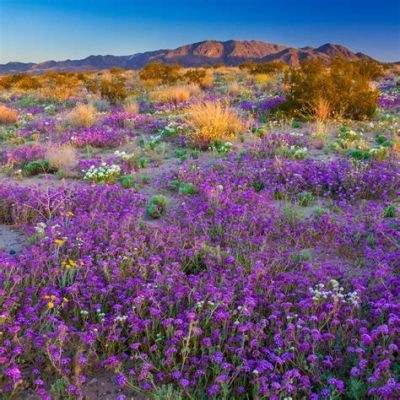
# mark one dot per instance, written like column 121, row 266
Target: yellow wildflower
column 70, row 214
column 50, row 304
column 59, row 241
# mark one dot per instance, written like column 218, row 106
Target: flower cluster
column 103, row 174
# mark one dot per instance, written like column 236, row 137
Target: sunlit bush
column 345, row 86
column 7, row 115
column 158, row 71
column 210, row 121
column 83, row 115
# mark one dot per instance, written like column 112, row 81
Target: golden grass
column 234, row 88
column 208, row 81
column 174, row 94
column 62, row 156
column 322, row 110
column 131, row 107
column 7, row 115
column 83, row 115
column 395, row 150
column 211, row 121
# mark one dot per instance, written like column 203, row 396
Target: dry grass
column 131, row 107
column 208, row 81
column 395, row 150
column 322, row 110
column 211, row 121
column 62, row 156
column 174, row 94
column 7, row 115
column 234, row 88
column 83, row 115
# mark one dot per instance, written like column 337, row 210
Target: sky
column 60, row 29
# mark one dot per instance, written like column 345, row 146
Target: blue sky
column 60, row 29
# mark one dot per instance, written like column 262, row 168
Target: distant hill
column 211, row 52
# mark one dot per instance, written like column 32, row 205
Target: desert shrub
column 158, row 71
column 113, row 89
column 345, row 86
column 61, row 156
column 194, row 76
column 7, row 115
column 370, row 69
column 13, row 80
column 83, row 115
column 131, row 107
column 156, row 206
column 210, row 121
column 37, row 167
column 264, row 68
column 28, row 83
column 175, row 94
column 20, row 80
column 208, row 81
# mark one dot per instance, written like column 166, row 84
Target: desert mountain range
column 209, row 52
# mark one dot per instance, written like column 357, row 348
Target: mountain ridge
column 207, row 52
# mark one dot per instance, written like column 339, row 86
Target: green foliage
column 37, row 167
column 166, row 73
column 187, row 188
column 143, row 162
column 305, row 199
column 156, row 206
column 167, row 392
column 389, row 211
column 127, row 181
column 344, row 85
column 181, row 187
column 297, row 125
column 359, row 154
column 301, row 256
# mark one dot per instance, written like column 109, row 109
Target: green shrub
column 359, row 154
column 127, row 181
column 156, row 206
column 187, row 188
column 37, row 167
column 389, row 211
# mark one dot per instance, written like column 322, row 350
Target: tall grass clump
column 212, row 121
column 131, row 106
column 175, row 94
column 82, row 116
column 7, row 115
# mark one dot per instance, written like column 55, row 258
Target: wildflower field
column 208, row 233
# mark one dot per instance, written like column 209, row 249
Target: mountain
column 211, row 52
